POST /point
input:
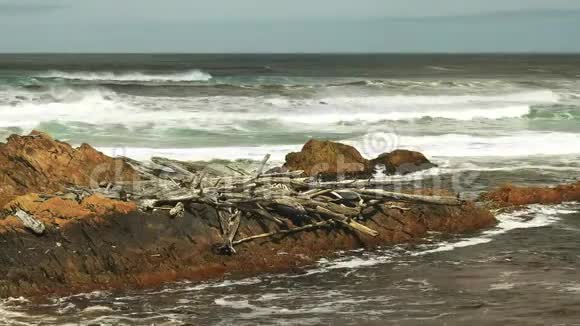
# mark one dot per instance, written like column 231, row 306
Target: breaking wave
column 21, row 108
column 187, row 76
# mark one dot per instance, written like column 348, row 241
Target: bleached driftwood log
column 30, row 222
column 178, row 210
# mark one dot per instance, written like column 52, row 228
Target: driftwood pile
column 288, row 199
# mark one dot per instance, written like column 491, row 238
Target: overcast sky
column 289, row 26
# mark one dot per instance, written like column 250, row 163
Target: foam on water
column 446, row 167
column 97, row 309
column 223, row 284
column 257, row 311
column 342, row 114
column 534, row 216
column 408, row 107
column 11, row 316
column 530, row 97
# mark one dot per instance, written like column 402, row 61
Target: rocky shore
column 92, row 242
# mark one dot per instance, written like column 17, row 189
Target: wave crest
column 187, row 76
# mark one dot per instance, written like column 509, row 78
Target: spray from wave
column 187, row 76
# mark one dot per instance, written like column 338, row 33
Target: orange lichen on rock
column 59, row 211
column 510, row 195
column 11, row 223
column 327, row 158
column 38, row 163
column 102, row 206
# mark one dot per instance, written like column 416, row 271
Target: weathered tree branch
column 274, row 233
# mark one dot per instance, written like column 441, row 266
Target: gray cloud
column 8, row 8
column 289, row 26
column 270, row 10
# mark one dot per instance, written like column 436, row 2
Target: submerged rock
column 38, row 163
column 329, row 159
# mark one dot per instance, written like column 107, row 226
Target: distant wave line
column 191, row 75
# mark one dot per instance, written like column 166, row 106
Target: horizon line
column 294, row 53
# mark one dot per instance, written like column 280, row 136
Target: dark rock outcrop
column 38, row 163
column 329, row 159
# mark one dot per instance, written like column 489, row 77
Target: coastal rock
column 327, row 158
column 137, row 249
column 96, row 243
column 402, row 162
column 510, row 195
column 38, row 163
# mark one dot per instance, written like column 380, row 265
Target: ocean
column 485, row 119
